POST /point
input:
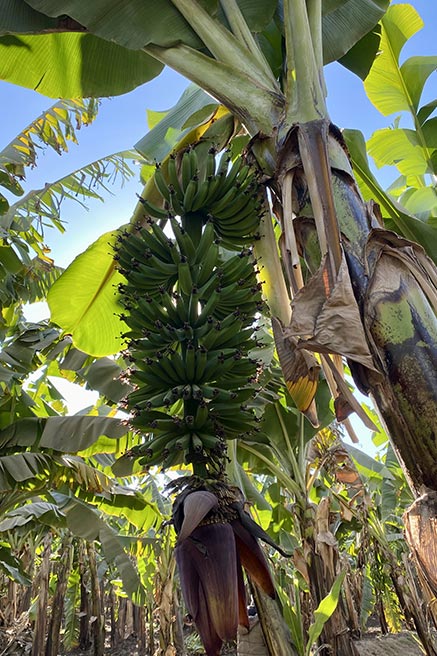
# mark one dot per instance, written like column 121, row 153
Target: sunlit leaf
column 161, row 139
column 415, row 72
column 73, row 65
column 421, row 201
column 401, row 148
column 84, row 300
column 366, row 465
column 52, row 129
column 386, row 85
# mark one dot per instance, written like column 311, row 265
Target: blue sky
column 122, row 122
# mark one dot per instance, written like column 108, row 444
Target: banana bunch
column 191, row 310
column 223, row 191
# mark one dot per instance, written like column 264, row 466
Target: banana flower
column 216, row 539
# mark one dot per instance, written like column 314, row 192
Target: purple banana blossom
column 215, row 540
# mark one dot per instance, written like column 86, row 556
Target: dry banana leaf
column 330, row 322
column 300, row 370
column 421, row 533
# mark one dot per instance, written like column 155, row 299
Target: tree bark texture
column 98, row 624
column 421, row 535
column 64, row 566
column 394, row 287
column 84, row 625
column 277, row 639
column 322, row 556
column 41, row 614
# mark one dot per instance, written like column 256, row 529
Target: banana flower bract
column 216, row 538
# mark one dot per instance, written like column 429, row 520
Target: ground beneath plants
column 372, row 644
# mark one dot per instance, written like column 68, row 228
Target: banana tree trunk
column 421, row 533
column 373, row 301
column 54, row 632
column 96, row 603
column 269, row 637
column 321, row 552
column 43, row 593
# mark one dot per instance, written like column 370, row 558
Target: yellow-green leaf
column 399, row 147
column 84, row 301
column 385, row 84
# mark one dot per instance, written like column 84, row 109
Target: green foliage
column 193, row 108
column 55, row 65
column 58, row 471
column 360, row 17
column 11, row 566
column 84, row 319
column 397, row 88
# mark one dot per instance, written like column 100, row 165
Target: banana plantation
column 262, row 293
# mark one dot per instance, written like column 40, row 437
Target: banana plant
column 288, row 107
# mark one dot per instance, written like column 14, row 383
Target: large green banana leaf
column 106, row 58
column 393, row 87
column 92, row 277
column 73, row 65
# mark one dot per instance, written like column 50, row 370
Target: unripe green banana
column 186, row 170
column 192, row 310
column 201, row 416
column 161, row 183
column 184, row 241
column 153, row 210
column 190, row 194
column 185, row 280
column 173, row 179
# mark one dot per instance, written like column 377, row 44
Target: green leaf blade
column 415, row 72
column 73, row 65
column 346, row 22
column 84, row 300
column 401, row 148
column 385, row 85
column 132, row 24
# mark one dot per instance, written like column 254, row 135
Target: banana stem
column 288, row 230
column 232, row 465
column 274, row 287
column 223, row 45
column 313, row 140
column 284, row 479
column 314, row 9
column 297, row 470
column 242, row 32
column 257, row 107
column 305, row 98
